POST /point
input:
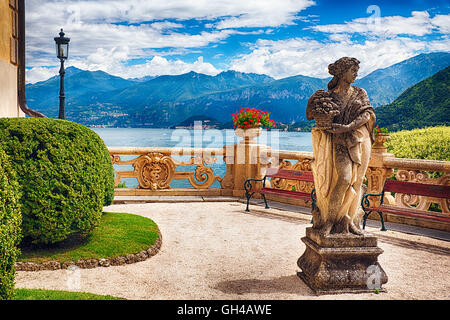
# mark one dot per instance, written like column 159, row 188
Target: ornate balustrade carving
column 416, row 170
column 421, row 202
column 155, row 168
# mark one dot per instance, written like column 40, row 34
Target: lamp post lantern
column 62, row 52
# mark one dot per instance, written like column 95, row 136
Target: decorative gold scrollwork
column 203, row 176
column 115, row 159
column 155, row 171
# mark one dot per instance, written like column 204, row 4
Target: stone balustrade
column 156, row 168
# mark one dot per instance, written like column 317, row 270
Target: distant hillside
column 285, row 99
column 180, row 88
column 385, row 85
column 424, row 104
column 91, row 95
column 44, row 95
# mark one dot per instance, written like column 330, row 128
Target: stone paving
column 214, row 250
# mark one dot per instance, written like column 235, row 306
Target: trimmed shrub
column 65, row 173
column 10, row 220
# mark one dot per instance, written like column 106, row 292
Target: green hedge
column 10, row 221
column 429, row 143
column 65, row 173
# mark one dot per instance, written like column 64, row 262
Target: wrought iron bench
column 412, row 188
column 275, row 173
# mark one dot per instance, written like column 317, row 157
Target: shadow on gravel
column 413, row 245
column 287, row 284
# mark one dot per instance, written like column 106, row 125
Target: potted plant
column 248, row 123
column 381, row 136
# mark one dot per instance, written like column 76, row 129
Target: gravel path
column 215, row 251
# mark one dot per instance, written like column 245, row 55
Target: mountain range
column 96, row 98
column 425, row 104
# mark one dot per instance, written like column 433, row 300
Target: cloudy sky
column 280, row 38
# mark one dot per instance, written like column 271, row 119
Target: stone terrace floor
column 213, row 250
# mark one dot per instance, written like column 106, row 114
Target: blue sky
column 280, row 38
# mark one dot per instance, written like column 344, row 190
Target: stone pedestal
column 247, row 162
column 341, row 263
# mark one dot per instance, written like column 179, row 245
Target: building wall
column 8, row 60
column 8, row 90
column 5, row 30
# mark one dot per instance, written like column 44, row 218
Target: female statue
column 342, row 144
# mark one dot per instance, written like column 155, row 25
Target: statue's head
column 344, row 69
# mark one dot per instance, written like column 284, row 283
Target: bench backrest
column 421, row 189
column 290, row 174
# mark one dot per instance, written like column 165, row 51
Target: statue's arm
column 358, row 122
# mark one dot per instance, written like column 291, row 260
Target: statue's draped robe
column 355, row 144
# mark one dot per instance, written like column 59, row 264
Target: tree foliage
column 422, row 105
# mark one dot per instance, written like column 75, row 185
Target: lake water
column 143, row 137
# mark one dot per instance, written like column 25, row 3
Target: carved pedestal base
column 341, row 263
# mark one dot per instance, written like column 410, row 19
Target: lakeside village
column 209, row 123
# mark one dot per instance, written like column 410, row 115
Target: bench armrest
column 248, row 183
column 365, row 203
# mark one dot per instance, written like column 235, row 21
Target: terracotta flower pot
column 380, row 140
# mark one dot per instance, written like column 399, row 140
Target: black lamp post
column 62, row 52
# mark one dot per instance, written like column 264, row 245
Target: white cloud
column 106, row 34
column 388, row 40
column 418, row 24
column 88, row 39
column 265, row 13
column 37, row 74
column 160, row 65
column 108, row 24
column 285, row 58
column 442, row 22
column 251, row 12
column 112, row 62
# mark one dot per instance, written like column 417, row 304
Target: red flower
column 251, row 117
